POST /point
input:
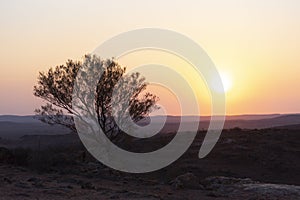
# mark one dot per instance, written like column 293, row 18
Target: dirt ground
column 239, row 167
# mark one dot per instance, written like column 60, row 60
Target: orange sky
column 256, row 43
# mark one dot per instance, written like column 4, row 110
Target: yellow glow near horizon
column 172, row 105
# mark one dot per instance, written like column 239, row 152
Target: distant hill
column 242, row 121
column 289, row 127
column 170, row 118
column 18, row 119
column 14, row 127
column 281, row 120
column 176, row 119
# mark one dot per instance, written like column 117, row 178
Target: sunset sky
column 254, row 43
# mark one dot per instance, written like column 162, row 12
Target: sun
column 226, row 80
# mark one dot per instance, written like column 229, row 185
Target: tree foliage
column 56, row 87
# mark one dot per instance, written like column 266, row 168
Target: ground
column 245, row 164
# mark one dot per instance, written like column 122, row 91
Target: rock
column 123, row 191
column 22, row 185
column 70, row 187
column 33, row 179
column 115, row 197
column 273, row 190
column 88, row 186
column 220, row 186
column 69, row 181
column 225, row 186
column 36, row 182
column 216, row 182
column 22, row 195
column 6, row 155
column 186, row 181
column 216, row 194
column 7, row 180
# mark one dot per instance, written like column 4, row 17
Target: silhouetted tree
column 56, row 87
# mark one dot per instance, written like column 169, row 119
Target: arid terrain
column 245, row 164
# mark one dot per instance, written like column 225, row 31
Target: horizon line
column 229, row 115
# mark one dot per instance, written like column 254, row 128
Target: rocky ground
column 245, row 164
column 91, row 183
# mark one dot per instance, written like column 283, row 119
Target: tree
column 56, row 87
